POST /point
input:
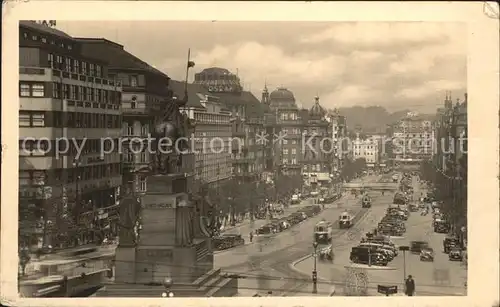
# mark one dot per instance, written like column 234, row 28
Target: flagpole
column 187, row 69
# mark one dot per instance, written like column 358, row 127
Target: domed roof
column 317, row 110
column 282, row 93
column 215, row 70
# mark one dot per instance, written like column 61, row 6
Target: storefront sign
column 220, row 88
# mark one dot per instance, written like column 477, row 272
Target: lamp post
column 167, row 283
column 404, row 249
column 76, row 210
column 314, row 272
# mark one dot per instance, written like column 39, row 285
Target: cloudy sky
column 396, row 65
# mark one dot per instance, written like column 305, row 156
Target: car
column 449, row 243
column 386, row 250
column 455, row 254
column 264, row 230
column 226, row 241
column 427, row 254
column 367, row 255
column 295, row 199
column 417, row 246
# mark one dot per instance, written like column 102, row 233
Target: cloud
column 374, row 34
column 257, row 62
column 397, row 65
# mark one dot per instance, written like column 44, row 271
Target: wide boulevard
column 265, row 265
column 441, row 277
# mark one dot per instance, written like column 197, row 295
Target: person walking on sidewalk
column 409, row 286
column 251, row 236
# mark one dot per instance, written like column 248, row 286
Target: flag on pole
column 190, row 64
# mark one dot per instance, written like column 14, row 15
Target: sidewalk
column 33, row 267
column 323, row 289
column 246, row 226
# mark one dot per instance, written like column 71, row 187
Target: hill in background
column 373, row 119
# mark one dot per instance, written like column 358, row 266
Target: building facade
column 449, row 162
column 318, row 143
column 146, row 101
column 302, row 142
column 211, row 136
column 68, row 106
column 145, row 90
column 338, row 126
column 247, row 155
column 412, row 139
column 285, row 131
column 368, row 149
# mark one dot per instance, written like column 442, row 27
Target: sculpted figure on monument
column 170, row 125
column 129, row 213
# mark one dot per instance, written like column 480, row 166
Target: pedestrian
column 409, row 286
column 251, row 236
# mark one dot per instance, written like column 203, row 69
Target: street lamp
column 314, row 272
column 404, row 249
column 167, row 283
column 76, row 210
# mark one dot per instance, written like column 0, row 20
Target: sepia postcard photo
column 304, row 154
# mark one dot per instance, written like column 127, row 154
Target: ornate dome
column 218, row 80
column 282, row 93
column 317, row 110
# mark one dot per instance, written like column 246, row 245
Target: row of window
column 46, row 40
column 357, row 153
column 68, row 64
column 212, row 118
column 142, row 157
column 133, row 129
column 94, row 172
column 292, row 161
column 43, row 147
column 69, row 91
column 289, row 116
column 285, row 151
column 60, row 119
column 313, row 168
column 71, row 175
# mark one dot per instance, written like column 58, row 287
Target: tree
column 347, row 172
column 359, row 165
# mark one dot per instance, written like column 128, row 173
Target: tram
column 346, row 220
column 366, row 201
column 323, row 232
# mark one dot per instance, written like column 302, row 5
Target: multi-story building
column 301, row 143
column 317, row 149
column 338, row 125
column 368, row 149
column 145, row 90
column 449, row 162
column 285, row 131
column 70, row 113
column 246, row 122
column 412, row 139
column 211, row 135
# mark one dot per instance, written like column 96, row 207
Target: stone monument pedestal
column 168, row 246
